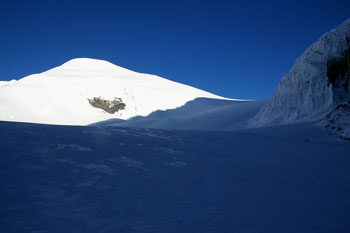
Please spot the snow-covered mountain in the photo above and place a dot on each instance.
(318, 82)
(85, 91)
(61, 95)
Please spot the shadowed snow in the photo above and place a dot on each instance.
(107, 179)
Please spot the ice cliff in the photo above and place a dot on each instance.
(317, 82)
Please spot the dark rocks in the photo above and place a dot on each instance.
(110, 106)
(338, 121)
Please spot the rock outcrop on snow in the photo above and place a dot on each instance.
(318, 81)
(338, 121)
(110, 106)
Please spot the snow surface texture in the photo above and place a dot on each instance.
(305, 93)
(60, 95)
(285, 179)
(199, 114)
(338, 121)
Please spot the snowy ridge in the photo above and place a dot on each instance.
(305, 92)
(60, 95)
(3, 83)
(6, 83)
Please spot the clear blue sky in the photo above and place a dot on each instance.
(237, 49)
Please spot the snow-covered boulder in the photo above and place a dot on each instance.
(306, 92)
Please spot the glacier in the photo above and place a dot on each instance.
(305, 93)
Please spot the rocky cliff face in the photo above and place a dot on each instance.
(318, 81)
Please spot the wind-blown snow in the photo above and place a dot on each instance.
(305, 93)
(60, 95)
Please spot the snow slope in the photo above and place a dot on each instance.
(199, 114)
(60, 95)
(305, 93)
(284, 179)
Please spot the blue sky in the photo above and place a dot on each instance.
(237, 49)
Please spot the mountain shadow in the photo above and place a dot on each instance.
(199, 114)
